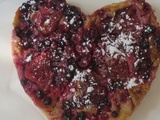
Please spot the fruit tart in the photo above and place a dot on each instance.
(86, 67)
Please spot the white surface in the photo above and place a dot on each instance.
(14, 103)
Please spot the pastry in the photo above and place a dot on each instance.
(86, 67)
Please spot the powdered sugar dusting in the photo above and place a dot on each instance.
(131, 83)
(120, 46)
(29, 58)
(73, 90)
(72, 20)
(80, 101)
(136, 62)
(118, 40)
(81, 75)
(113, 51)
(81, 91)
(90, 89)
(84, 99)
(47, 21)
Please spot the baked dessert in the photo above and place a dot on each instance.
(86, 67)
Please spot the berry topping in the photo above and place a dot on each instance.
(25, 7)
(67, 116)
(114, 114)
(23, 83)
(84, 62)
(47, 101)
(81, 116)
(68, 105)
(80, 67)
(73, 17)
(103, 103)
(40, 94)
(149, 29)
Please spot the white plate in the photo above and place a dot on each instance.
(14, 103)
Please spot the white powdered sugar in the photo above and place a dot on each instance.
(47, 21)
(65, 23)
(87, 100)
(85, 50)
(90, 89)
(117, 38)
(127, 17)
(131, 83)
(73, 90)
(138, 27)
(113, 51)
(81, 75)
(72, 20)
(82, 92)
(82, 100)
(29, 58)
(77, 101)
(71, 68)
(141, 81)
(136, 62)
(121, 21)
(64, 39)
(122, 45)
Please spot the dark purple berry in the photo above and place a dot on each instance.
(57, 4)
(110, 88)
(23, 82)
(73, 17)
(71, 61)
(47, 43)
(54, 6)
(158, 43)
(67, 105)
(114, 114)
(81, 116)
(118, 84)
(67, 115)
(144, 44)
(40, 94)
(149, 29)
(41, 2)
(146, 7)
(158, 40)
(149, 62)
(103, 103)
(19, 32)
(25, 7)
(61, 43)
(143, 65)
(146, 75)
(70, 12)
(58, 81)
(47, 101)
(26, 44)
